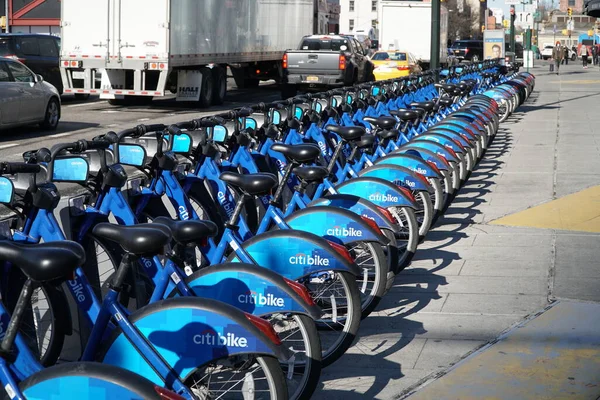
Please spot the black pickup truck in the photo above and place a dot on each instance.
(324, 61)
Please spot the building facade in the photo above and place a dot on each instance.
(357, 14)
(32, 16)
(576, 5)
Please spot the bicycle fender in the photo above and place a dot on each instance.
(335, 224)
(249, 288)
(467, 136)
(188, 332)
(294, 254)
(434, 147)
(357, 205)
(378, 191)
(442, 140)
(412, 162)
(87, 380)
(427, 155)
(398, 175)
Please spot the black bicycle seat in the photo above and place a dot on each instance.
(142, 239)
(252, 184)
(300, 153)
(311, 174)
(425, 105)
(347, 133)
(389, 134)
(46, 261)
(382, 122)
(446, 101)
(190, 231)
(365, 142)
(406, 115)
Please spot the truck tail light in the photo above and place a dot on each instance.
(342, 62)
(285, 61)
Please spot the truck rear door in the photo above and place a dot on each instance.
(143, 29)
(317, 55)
(85, 28)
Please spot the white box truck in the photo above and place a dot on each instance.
(142, 48)
(406, 25)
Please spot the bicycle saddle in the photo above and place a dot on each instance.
(406, 115)
(46, 261)
(446, 102)
(252, 184)
(190, 231)
(311, 174)
(382, 122)
(347, 133)
(139, 239)
(365, 142)
(425, 105)
(389, 134)
(300, 153)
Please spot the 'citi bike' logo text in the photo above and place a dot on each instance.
(383, 197)
(344, 232)
(260, 299)
(304, 259)
(212, 338)
(183, 213)
(322, 146)
(77, 290)
(405, 183)
(226, 205)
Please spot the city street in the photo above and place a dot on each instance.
(92, 117)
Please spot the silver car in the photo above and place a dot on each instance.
(25, 98)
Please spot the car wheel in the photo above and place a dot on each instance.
(52, 115)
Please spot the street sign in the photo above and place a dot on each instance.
(554, 29)
(512, 2)
(571, 25)
(530, 8)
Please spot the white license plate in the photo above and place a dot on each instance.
(312, 79)
(78, 75)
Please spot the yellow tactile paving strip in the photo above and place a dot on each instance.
(576, 212)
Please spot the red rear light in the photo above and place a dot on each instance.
(167, 394)
(466, 51)
(15, 57)
(372, 224)
(342, 62)
(403, 68)
(301, 291)
(407, 193)
(434, 167)
(265, 327)
(422, 178)
(285, 61)
(342, 251)
(386, 213)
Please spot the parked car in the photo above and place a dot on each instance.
(25, 97)
(323, 61)
(38, 52)
(394, 64)
(469, 50)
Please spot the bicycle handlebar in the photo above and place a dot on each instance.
(12, 168)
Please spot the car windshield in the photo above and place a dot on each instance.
(4, 47)
(325, 44)
(395, 56)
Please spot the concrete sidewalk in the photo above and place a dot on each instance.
(473, 279)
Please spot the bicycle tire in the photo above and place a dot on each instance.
(351, 324)
(378, 275)
(409, 240)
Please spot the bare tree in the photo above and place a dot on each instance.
(461, 25)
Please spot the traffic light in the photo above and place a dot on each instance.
(3, 22)
(570, 11)
(482, 28)
(506, 23)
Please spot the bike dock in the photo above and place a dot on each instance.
(502, 299)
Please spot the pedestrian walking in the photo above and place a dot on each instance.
(595, 54)
(557, 56)
(583, 52)
(566, 55)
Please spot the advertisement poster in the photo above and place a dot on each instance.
(493, 44)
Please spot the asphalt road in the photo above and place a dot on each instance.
(86, 119)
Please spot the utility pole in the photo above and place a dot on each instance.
(435, 35)
(6, 9)
(512, 28)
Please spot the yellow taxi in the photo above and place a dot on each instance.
(390, 64)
